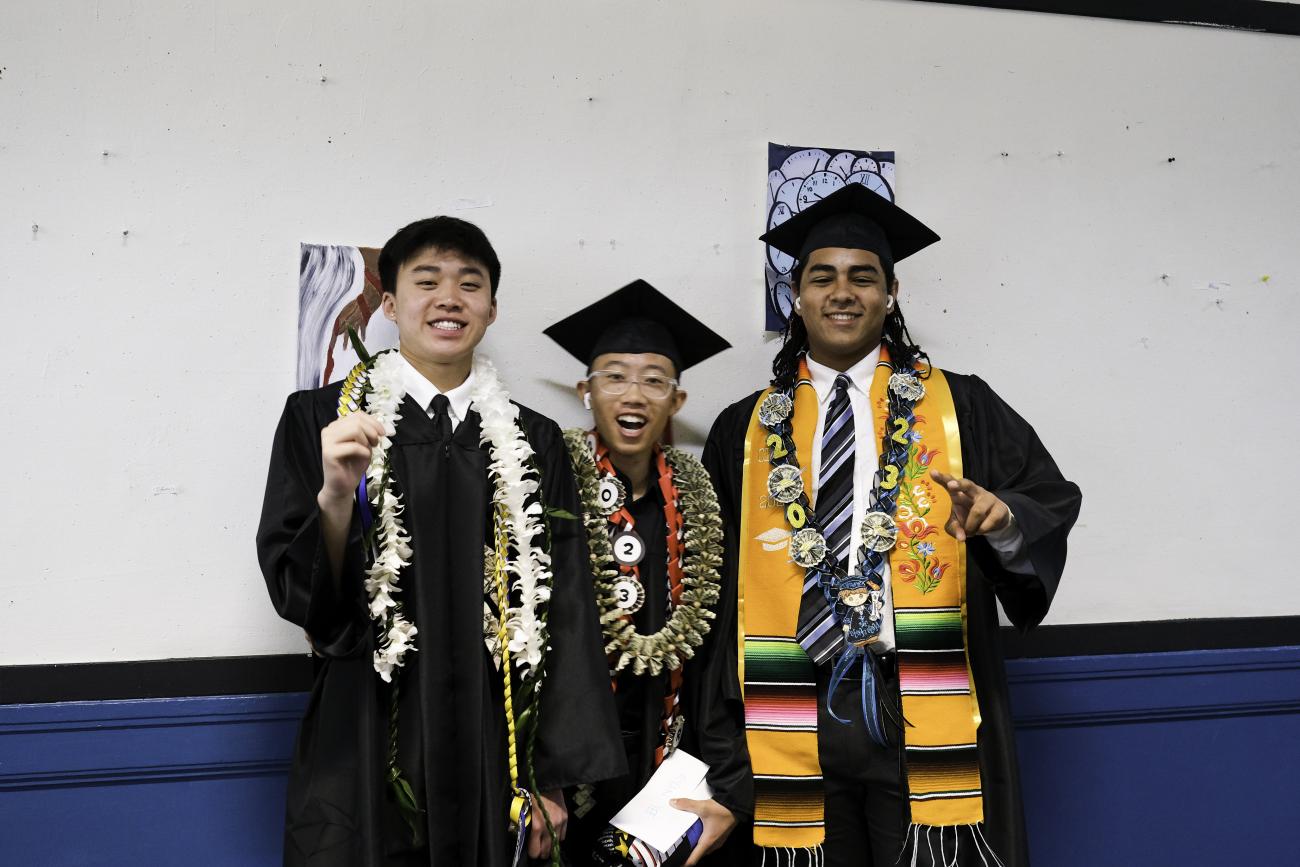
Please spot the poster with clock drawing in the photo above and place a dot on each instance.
(796, 178)
(338, 288)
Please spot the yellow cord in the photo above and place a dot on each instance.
(503, 604)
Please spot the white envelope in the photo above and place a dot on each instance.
(648, 816)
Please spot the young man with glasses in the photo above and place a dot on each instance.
(655, 539)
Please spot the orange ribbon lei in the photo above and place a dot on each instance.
(622, 520)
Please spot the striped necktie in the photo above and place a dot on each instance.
(816, 632)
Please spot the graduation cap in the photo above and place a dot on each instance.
(637, 318)
(853, 217)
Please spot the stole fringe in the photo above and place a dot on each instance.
(923, 846)
(785, 856)
(940, 846)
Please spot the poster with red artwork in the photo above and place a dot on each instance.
(338, 288)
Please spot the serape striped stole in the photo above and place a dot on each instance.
(928, 570)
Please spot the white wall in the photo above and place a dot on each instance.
(1115, 296)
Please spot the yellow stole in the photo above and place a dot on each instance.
(928, 576)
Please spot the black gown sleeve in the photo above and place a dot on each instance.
(578, 740)
(1013, 464)
(290, 546)
(715, 700)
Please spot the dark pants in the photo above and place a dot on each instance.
(866, 815)
(866, 819)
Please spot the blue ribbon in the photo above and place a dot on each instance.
(851, 656)
(521, 831)
(364, 502)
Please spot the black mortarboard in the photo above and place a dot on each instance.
(637, 318)
(854, 217)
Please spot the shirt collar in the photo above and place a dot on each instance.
(423, 392)
(652, 480)
(860, 375)
(652, 491)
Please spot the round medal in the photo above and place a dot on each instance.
(807, 547)
(785, 484)
(610, 495)
(907, 385)
(775, 408)
(629, 595)
(628, 548)
(879, 532)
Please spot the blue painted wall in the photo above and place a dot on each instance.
(1146, 759)
(192, 781)
(1160, 759)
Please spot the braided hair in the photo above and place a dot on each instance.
(903, 350)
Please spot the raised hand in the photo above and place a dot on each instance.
(345, 446)
(975, 511)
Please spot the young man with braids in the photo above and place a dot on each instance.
(655, 539)
(875, 507)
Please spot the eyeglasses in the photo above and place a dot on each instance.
(612, 382)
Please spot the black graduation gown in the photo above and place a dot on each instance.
(452, 743)
(1001, 453)
(639, 700)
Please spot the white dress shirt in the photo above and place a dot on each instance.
(1007, 543)
(423, 392)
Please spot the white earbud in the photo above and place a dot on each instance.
(586, 400)
(889, 303)
(796, 304)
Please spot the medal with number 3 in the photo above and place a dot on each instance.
(629, 550)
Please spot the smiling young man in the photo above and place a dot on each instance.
(875, 509)
(655, 538)
(380, 505)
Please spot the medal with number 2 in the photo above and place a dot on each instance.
(629, 550)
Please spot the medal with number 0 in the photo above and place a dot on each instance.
(610, 495)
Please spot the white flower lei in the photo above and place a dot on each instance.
(397, 634)
(514, 482)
